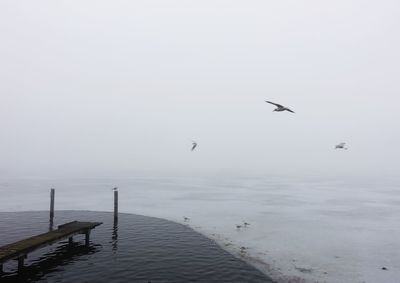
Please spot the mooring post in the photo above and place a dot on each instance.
(1, 268)
(70, 241)
(115, 205)
(52, 191)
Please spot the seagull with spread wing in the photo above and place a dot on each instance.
(279, 108)
(341, 145)
(194, 145)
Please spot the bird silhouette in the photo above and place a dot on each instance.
(279, 108)
(194, 145)
(341, 145)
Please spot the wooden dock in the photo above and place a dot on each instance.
(19, 250)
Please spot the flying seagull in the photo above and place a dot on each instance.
(194, 145)
(341, 145)
(279, 108)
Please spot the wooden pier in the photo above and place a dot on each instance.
(19, 250)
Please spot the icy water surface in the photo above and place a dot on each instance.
(305, 229)
(136, 249)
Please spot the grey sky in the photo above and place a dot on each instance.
(119, 88)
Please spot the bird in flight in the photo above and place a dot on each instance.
(279, 108)
(341, 145)
(194, 145)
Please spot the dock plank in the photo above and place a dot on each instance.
(25, 246)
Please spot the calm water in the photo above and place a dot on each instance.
(138, 249)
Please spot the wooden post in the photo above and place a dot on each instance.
(115, 205)
(114, 237)
(52, 191)
(70, 241)
(1, 268)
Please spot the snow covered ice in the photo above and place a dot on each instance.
(325, 231)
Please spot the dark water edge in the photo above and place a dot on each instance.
(136, 249)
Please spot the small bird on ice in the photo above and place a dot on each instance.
(246, 224)
(194, 145)
(186, 219)
(238, 227)
(341, 145)
(279, 108)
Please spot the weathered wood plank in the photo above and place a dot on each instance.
(23, 247)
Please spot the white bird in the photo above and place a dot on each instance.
(194, 145)
(115, 189)
(279, 108)
(246, 224)
(186, 219)
(238, 227)
(341, 145)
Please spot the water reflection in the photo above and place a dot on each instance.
(63, 255)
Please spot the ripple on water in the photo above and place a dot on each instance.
(138, 249)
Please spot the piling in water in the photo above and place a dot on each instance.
(52, 193)
(115, 205)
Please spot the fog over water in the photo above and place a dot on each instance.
(96, 94)
(121, 88)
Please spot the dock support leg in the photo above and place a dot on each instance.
(1, 269)
(70, 241)
(87, 236)
(21, 263)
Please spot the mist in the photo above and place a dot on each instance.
(110, 89)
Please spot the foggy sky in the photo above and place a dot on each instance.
(121, 88)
